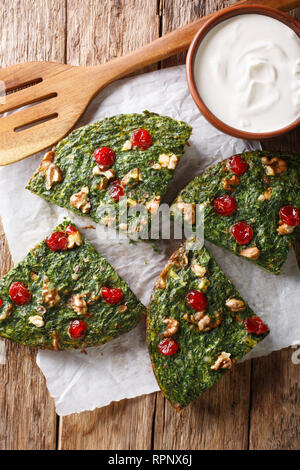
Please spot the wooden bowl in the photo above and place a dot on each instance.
(211, 23)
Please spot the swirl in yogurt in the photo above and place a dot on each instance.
(247, 72)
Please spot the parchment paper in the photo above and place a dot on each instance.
(121, 369)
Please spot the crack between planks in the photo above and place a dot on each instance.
(65, 58)
(160, 8)
(153, 422)
(250, 405)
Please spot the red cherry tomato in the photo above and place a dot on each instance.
(104, 156)
(141, 139)
(290, 215)
(19, 293)
(196, 300)
(168, 346)
(116, 190)
(237, 164)
(1, 303)
(255, 326)
(225, 205)
(242, 232)
(77, 329)
(70, 229)
(112, 295)
(57, 241)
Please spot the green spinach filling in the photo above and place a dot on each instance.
(152, 168)
(187, 373)
(78, 273)
(260, 194)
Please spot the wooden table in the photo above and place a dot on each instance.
(256, 406)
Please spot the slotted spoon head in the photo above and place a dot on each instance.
(52, 97)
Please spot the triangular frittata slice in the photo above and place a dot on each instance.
(252, 205)
(65, 295)
(130, 156)
(198, 326)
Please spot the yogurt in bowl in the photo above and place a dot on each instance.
(244, 72)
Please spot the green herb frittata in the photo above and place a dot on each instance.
(198, 326)
(131, 155)
(65, 295)
(252, 204)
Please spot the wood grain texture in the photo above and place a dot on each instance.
(217, 420)
(96, 32)
(275, 411)
(27, 413)
(100, 31)
(32, 30)
(123, 425)
(69, 90)
(105, 30)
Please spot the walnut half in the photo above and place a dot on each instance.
(50, 295)
(52, 172)
(172, 326)
(285, 229)
(235, 305)
(223, 361)
(78, 304)
(251, 253)
(81, 200)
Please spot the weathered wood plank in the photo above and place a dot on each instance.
(27, 413)
(34, 31)
(100, 31)
(176, 13)
(275, 416)
(123, 425)
(275, 412)
(217, 420)
(105, 30)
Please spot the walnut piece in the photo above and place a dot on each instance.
(223, 362)
(172, 326)
(198, 270)
(5, 314)
(127, 145)
(285, 229)
(122, 308)
(81, 201)
(203, 322)
(168, 161)
(52, 172)
(78, 304)
(50, 295)
(36, 320)
(153, 205)
(108, 174)
(74, 238)
(235, 305)
(161, 283)
(53, 175)
(204, 285)
(251, 253)
(274, 166)
(132, 177)
(188, 210)
(230, 183)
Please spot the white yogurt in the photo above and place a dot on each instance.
(247, 72)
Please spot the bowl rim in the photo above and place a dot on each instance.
(219, 17)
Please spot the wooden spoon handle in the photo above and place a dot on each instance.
(170, 44)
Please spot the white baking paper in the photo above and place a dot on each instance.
(121, 369)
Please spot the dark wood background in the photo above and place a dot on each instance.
(256, 406)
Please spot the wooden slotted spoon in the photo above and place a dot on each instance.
(60, 93)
